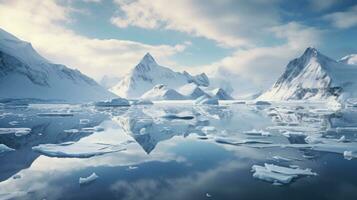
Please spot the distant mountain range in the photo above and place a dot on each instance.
(25, 74)
(149, 80)
(315, 76)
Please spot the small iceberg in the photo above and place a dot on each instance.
(117, 102)
(4, 148)
(279, 175)
(88, 179)
(204, 100)
(17, 131)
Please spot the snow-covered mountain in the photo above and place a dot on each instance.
(162, 92)
(220, 94)
(26, 74)
(145, 75)
(314, 76)
(191, 91)
(349, 59)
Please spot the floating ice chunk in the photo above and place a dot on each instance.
(4, 148)
(17, 176)
(132, 167)
(206, 100)
(71, 131)
(55, 114)
(83, 121)
(17, 131)
(348, 155)
(281, 158)
(263, 173)
(342, 139)
(289, 171)
(278, 174)
(77, 150)
(314, 139)
(88, 179)
(113, 103)
(14, 123)
(257, 133)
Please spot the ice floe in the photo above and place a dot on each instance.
(17, 131)
(4, 148)
(88, 179)
(279, 174)
(77, 150)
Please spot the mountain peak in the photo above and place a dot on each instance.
(311, 52)
(148, 59)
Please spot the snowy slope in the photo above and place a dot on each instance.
(314, 76)
(220, 94)
(148, 73)
(349, 59)
(191, 91)
(162, 92)
(26, 74)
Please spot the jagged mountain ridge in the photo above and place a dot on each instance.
(26, 74)
(314, 76)
(145, 75)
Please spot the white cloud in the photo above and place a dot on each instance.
(43, 24)
(231, 23)
(256, 69)
(319, 5)
(346, 19)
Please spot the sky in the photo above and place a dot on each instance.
(246, 43)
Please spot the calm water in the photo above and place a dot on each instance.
(171, 152)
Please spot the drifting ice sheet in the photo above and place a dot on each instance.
(16, 131)
(278, 174)
(77, 150)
